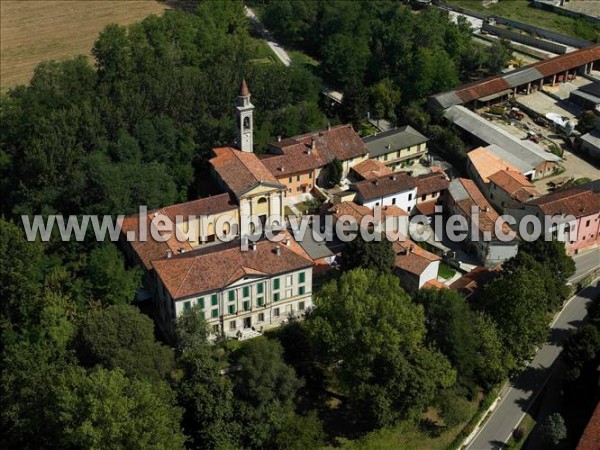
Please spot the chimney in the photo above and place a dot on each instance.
(393, 177)
(411, 248)
(328, 126)
(281, 168)
(278, 250)
(169, 253)
(279, 138)
(253, 246)
(312, 144)
(181, 250)
(286, 242)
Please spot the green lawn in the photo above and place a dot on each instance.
(526, 425)
(446, 272)
(406, 436)
(522, 11)
(261, 53)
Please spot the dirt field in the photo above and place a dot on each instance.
(33, 31)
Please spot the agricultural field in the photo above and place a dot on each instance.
(34, 31)
(522, 11)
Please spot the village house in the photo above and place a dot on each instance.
(460, 199)
(501, 182)
(300, 162)
(369, 169)
(398, 189)
(397, 148)
(415, 266)
(430, 189)
(582, 204)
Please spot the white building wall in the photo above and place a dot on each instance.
(430, 273)
(405, 200)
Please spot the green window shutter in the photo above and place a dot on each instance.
(260, 301)
(201, 303)
(276, 297)
(246, 306)
(246, 291)
(231, 309)
(260, 288)
(213, 300)
(231, 295)
(276, 283)
(302, 277)
(301, 290)
(214, 313)
(187, 306)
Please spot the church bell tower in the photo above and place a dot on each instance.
(245, 123)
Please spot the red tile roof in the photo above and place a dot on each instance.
(481, 88)
(383, 186)
(412, 258)
(475, 279)
(515, 184)
(340, 142)
(151, 249)
(298, 158)
(567, 61)
(371, 168)
(217, 267)
(590, 440)
(574, 202)
(359, 211)
(241, 171)
(487, 214)
(431, 182)
(486, 163)
(427, 208)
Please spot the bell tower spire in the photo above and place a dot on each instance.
(245, 122)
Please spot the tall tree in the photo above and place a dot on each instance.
(373, 338)
(377, 254)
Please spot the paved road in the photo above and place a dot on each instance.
(518, 396)
(273, 45)
(585, 263)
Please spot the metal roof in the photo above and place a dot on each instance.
(390, 141)
(522, 76)
(517, 152)
(592, 138)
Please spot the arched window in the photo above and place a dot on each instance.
(262, 200)
(246, 123)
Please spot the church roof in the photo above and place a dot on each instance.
(244, 92)
(240, 171)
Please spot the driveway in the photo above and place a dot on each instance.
(273, 45)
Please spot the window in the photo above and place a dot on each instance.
(215, 329)
(276, 283)
(301, 277)
(408, 209)
(187, 306)
(301, 290)
(260, 301)
(376, 203)
(261, 317)
(288, 281)
(301, 306)
(290, 179)
(260, 288)
(423, 198)
(310, 176)
(393, 201)
(276, 312)
(262, 200)
(587, 223)
(232, 325)
(410, 196)
(288, 293)
(213, 300)
(231, 309)
(214, 313)
(246, 291)
(246, 306)
(231, 295)
(298, 178)
(276, 297)
(201, 303)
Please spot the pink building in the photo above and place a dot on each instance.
(583, 204)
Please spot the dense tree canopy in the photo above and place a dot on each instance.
(368, 327)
